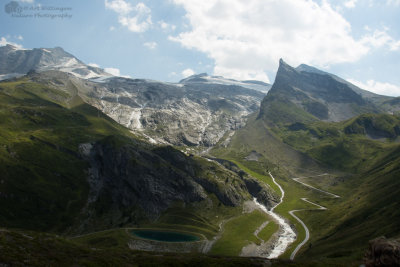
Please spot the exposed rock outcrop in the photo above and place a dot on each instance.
(383, 252)
(130, 182)
(180, 114)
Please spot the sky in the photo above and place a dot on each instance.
(167, 40)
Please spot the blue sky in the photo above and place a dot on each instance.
(358, 40)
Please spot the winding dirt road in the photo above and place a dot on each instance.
(304, 226)
(312, 187)
(299, 246)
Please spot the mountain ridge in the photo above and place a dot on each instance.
(204, 78)
(310, 96)
(21, 61)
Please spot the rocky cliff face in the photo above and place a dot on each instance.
(380, 126)
(130, 182)
(179, 114)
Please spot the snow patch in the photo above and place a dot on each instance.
(134, 119)
(223, 81)
(69, 62)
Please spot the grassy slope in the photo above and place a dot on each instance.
(344, 145)
(39, 140)
(238, 232)
(40, 131)
(43, 185)
(276, 155)
(22, 248)
(369, 197)
(268, 231)
(285, 163)
(277, 109)
(282, 161)
(371, 211)
(41, 249)
(194, 218)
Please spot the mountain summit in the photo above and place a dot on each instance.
(299, 94)
(16, 62)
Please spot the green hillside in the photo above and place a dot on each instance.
(360, 157)
(27, 248)
(348, 146)
(44, 183)
(370, 210)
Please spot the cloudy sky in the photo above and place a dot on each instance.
(358, 40)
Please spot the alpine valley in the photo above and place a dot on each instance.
(101, 170)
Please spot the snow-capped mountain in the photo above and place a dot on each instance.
(191, 112)
(173, 113)
(16, 62)
(205, 79)
(183, 113)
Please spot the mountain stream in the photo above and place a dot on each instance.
(286, 235)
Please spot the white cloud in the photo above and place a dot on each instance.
(395, 45)
(246, 38)
(393, 2)
(350, 3)
(382, 88)
(380, 38)
(94, 65)
(187, 73)
(150, 45)
(112, 28)
(26, 1)
(113, 71)
(135, 18)
(4, 42)
(163, 24)
(166, 26)
(376, 39)
(119, 6)
(19, 37)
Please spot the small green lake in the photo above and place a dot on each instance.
(165, 236)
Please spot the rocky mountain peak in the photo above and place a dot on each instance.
(284, 65)
(285, 72)
(16, 62)
(310, 94)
